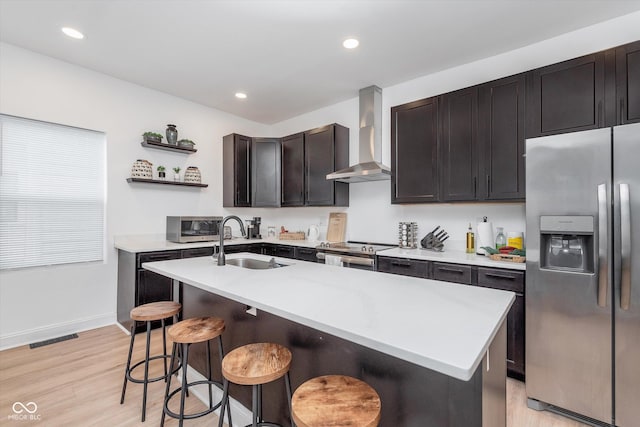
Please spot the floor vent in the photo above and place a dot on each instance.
(52, 341)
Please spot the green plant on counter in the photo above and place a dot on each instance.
(176, 170)
(161, 168)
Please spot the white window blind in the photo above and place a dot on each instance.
(52, 193)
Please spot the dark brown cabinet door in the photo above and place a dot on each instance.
(293, 170)
(236, 170)
(628, 83)
(459, 166)
(566, 97)
(501, 120)
(265, 172)
(403, 267)
(414, 152)
(326, 150)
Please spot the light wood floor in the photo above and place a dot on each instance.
(78, 383)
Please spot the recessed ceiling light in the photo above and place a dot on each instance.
(241, 95)
(350, 43)
(72, 32)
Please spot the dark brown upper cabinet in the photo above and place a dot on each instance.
(251, 171)
(567, 97)
(265, 172)
(414, 152)
(501, 120)
(293, 170)
(628, 83)
(326, 149)
(236, 170)
(459, 147)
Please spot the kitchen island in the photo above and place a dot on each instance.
(434, 351)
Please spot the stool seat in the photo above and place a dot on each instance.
(155, 311)
(195, 330)
(335, 400)
(255, 364)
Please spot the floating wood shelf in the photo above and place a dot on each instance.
(161, 146)
(168, 182)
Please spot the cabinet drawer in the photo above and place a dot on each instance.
(285, 251)
(404, 267)
(306, 254)
(196, 252)
(507, 280)
(157, 256)
(455, 273)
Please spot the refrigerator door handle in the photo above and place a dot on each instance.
(602, 246)
(625, 247)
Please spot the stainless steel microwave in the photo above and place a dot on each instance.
(185, 229)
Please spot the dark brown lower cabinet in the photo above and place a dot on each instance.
(455, 273)
(306, 254)
(403, 267)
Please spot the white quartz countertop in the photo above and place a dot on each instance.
(441, 326)
(455, 257)
(150, 243)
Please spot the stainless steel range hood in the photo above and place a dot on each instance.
(370, 167)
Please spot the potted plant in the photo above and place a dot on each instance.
(186, 143)
(176, 177)
(152, 137)
(161, 173)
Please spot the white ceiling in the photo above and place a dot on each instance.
(286, 55)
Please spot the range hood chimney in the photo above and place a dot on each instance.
(369, 167)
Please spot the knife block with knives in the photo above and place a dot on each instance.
(434, 240)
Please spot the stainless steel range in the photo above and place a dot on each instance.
(360, 255)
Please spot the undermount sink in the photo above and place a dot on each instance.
(255, 264)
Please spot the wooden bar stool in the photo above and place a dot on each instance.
(337, 401)
(183, 334)
(148, 313)
(256, 365)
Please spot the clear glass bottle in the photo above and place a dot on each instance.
(471, 244)
(501, 240)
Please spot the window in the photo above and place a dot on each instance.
(52, 193)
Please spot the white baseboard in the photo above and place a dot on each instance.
(240, 415)
(57, 330)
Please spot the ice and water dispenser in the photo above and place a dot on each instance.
(567, 243)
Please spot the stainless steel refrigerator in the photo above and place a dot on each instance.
(583, 274)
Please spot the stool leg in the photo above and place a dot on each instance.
(164, 350)
(225, 401)
(146, 372)
(209, 373)
(168, 387)
(221, 354)
(185, 354)
(287, 383)
(126, 371)
(259, 403)
(254, 405)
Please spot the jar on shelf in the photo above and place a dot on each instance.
(192, 174)
(172, 134)
(142, 169)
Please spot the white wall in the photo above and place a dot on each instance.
(46, 302)
(40, 302)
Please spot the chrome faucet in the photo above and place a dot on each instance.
(221, 257)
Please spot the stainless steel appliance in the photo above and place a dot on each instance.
(361, 255)
(185, 229)
(583, 283)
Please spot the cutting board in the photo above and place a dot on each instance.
(337, 226)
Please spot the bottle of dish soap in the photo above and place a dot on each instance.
(501, 240)
(471, 241)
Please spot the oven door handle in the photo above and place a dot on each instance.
(369, 262)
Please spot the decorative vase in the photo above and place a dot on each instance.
(192, 174)
(161, 175)
(176, 177)
(142, 169)
(172, 134)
